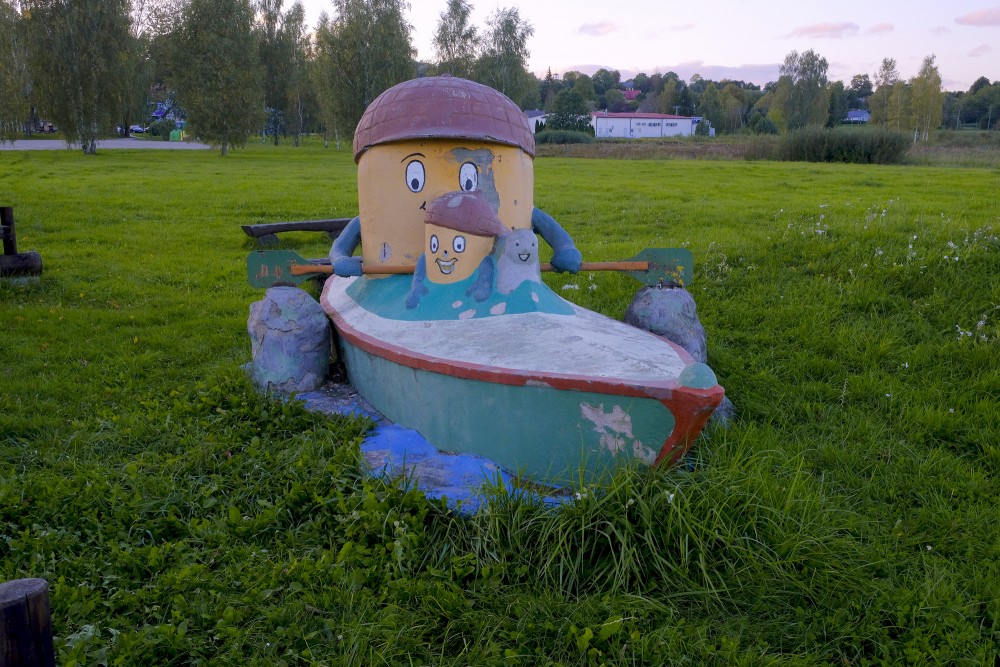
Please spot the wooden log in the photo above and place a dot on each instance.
(21, 264)
(334, 225)
(26, 624)
(7, 230)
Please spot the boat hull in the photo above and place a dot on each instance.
(521, 408)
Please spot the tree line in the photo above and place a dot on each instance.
(234, 69)
(231, 69)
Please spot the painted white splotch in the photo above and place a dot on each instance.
(615, 430)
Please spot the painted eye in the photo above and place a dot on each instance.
(415, 176)
(434, 243)
(468, 177)
(458, 244)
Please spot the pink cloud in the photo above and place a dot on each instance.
(940, 30)
(983, 17)
(880, 28)
(980, 50)
(825, 30)
(597, 29)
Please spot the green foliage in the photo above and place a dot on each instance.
(504, 59)
(549, 136)
(217, 72)
(844, 144)
(162, 128)
(364, 50)
(77, 48)
(848, 516)
(570, 113)
(456, 41)
(14, 80)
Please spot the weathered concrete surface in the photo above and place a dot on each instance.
(290, 341)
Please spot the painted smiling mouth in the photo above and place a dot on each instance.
(524, 256)
(446, 266)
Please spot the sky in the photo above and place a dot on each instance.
(740, 39)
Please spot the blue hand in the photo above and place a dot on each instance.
(567, 259)
(347, 266)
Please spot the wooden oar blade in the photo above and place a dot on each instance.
(667, 266)
(268, 268)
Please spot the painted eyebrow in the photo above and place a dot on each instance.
(411, 155)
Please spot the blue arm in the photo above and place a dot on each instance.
(565, 256)
(483, 287)
(417, 287)
(342, 250)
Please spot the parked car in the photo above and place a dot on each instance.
(136, 129)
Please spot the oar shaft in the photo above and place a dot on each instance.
(307, 269)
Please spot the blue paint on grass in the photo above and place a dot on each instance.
(403, 455)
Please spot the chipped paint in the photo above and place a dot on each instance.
(615, 430)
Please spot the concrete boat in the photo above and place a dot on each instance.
(548, 390)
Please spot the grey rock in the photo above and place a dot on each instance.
(290, 341)
(669, 312)
(724, 414)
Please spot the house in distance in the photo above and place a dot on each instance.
(642, 125)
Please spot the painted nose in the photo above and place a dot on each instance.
(467, 212)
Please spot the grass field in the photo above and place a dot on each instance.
(851, 515)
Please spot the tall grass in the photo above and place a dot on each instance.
(848, 517)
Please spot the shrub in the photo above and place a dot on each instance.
(162, 128)
(870, 145)
(563, 137)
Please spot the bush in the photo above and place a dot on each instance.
(162, 128)
(870, 145)
(563, 137)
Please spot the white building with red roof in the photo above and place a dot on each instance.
(641, 125)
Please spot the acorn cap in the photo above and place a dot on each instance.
(465, 212)
(443, 107)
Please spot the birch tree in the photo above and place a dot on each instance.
(926, 100)
(362, 51)
(503, 63)
(15, 86)
(77, 51)
(456, 40)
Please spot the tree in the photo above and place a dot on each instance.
(879, 102)
(806, 99)
(669, 96)
(839, 104)
(927, 100)
(585, 87)
(570, 113)
(861, 87)
(300, 99)
(217, 73)
(15, 86)
(456, 40)
(734, 105)
(360, 53)
(504, 60)
(605, 80)
(710, 106)
(77, 76)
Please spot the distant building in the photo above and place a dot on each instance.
(641, 125)
(536, 119)
(857, 117)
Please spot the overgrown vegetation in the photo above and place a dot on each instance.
(563, 137)
(844, 144)
(848, 517)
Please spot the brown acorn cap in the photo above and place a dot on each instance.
(465, 212)
(443, 107)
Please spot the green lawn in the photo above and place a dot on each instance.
(851, 515)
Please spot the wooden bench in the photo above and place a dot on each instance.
(267, 234)
(12, 262)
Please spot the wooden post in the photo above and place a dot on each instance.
(7, 230)
(26, 624)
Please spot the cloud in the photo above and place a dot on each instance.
(983, 17)
(940, 30)
(880, 28)
(825, 30)
(680, 28)
(597, 29)
(980, 50)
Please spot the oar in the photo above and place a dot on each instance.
(652, 266)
